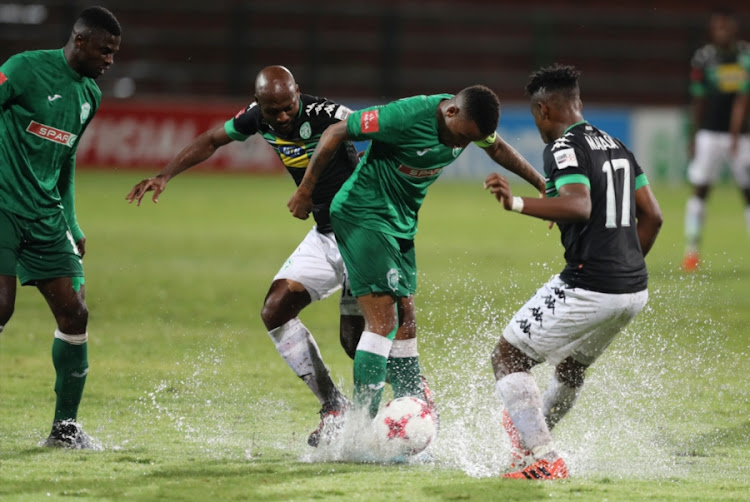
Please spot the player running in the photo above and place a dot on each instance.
(292, 124)
(374, 216)
(720, 90)
(609, 219)
(47, 99)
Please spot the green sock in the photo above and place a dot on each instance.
(403, 374)
(71, 365)
(369, 380)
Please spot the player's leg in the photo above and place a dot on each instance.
(10, 239)
(710, 152)
(351, 322)
(563, 390)
(403, 369)
(66, 299)
(371, 356)
(307, 276)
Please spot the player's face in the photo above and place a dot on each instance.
(95, 52)
(280, 110)
(723, 29)
(456, 131)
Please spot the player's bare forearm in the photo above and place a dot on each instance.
(573, 204)
(649, 217)
(199, 149)
(505, 155)
(739, 114)
(300, 204)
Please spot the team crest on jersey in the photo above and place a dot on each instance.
(392, 278)
(85, 112)
(565, 158)
(457, 152)
(305, 131)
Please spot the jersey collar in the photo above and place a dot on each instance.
(573, 125)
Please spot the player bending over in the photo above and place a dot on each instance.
(292, 124)
(609, 219)
(374, 216)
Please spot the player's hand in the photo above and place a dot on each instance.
(81, 245)
(300, 204)
(500, 188)
(157, 184)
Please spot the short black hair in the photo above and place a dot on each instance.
(97, 18)
(555, 78)
(482, 106)
(723, 10)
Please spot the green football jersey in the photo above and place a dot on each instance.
(403, 159)
(44, 108)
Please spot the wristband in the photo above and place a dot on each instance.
(517, 205)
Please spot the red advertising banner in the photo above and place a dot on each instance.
(142, 135)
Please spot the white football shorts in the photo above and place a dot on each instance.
(318, 266)
(712, 153)
(560, 322)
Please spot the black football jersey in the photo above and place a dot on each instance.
(602, 254)
(296, 149)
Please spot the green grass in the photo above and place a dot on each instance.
(192, 402)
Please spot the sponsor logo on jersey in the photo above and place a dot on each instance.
(369, 121)
(53, 98)
(85, 112)
(341, 113)
(419, 173)
(422, 152)
(292, 153)
(565, 158)
(3, 78)
(305, 131)
(729, 77)
(51, 134)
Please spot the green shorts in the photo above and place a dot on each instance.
(376, 262)
(38, 249)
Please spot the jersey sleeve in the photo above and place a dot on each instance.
(385, 123)
(12, 74)
(244, 124)
(564, 165)
(325, 112)
(744, 60)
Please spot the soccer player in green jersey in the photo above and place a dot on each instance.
(47, 99)
(374, 216)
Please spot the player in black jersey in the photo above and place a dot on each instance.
(292, 124)
(720, 90)
(609, 219)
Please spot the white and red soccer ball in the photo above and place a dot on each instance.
(405, 426)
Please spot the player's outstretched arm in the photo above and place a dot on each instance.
(648, 216)
(573, 203)
(505, 155)
(200, 149)
(300, 204)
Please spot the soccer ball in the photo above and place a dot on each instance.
(404, 427)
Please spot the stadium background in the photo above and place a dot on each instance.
(187, 65)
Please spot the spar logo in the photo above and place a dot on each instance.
(51, 134)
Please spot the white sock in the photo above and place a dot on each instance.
(695, 212)
(523, 402)
(298, 348)
(557, 400)
(404, 348)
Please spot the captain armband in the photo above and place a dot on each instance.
(488, 141)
